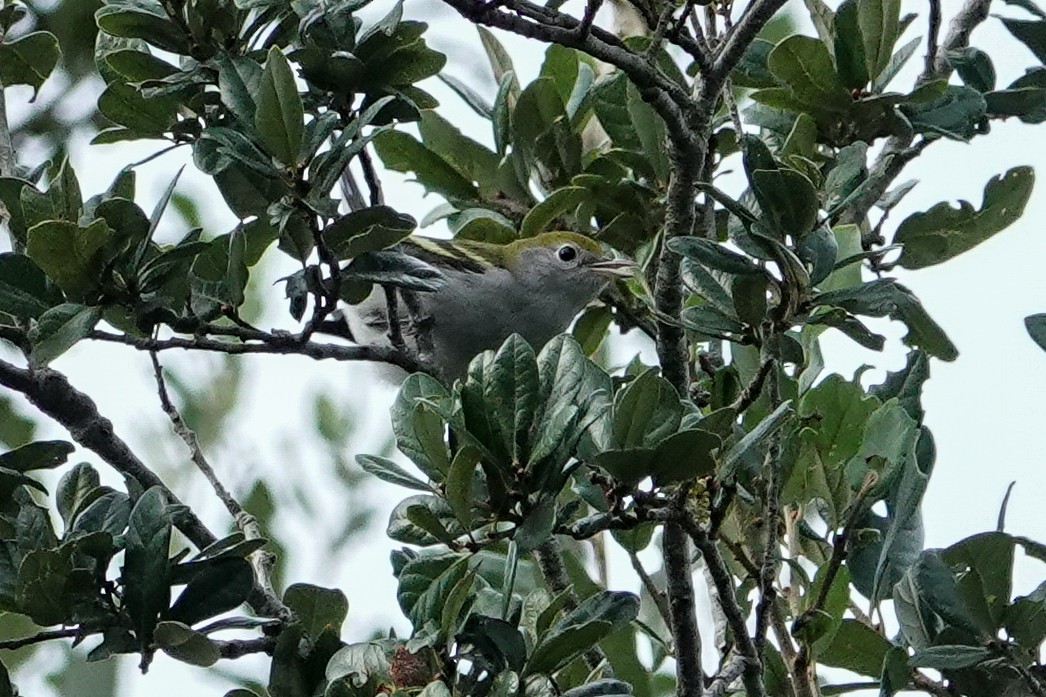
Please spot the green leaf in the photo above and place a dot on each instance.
(318, 609)
(218, 587)
(35, 456)
(76, 488)
(367, 230)
(389, 471)
(511, 395)
(280, 118)
(1027, 104)
(787, 199)
(714, 255)
(957, 114)
(974, 67)
(143, 19)
(1030, 33)
(426, 582)
(42, 580)
(646, 411)
(146, 587)
(805, 66)
(29, 59)
(850, 57)
(70, 255)
(595, 618)
(985, 563)
(1036, 326)
(944, 232)
(949, 657)
(500, 62)
(459, 483)
(25, 291)
(889, 436)
(180, 642)
(856, 647)
(879, 21)
(564, 201)
(124, 105)
(541, 129)
(419, 429)
(403, 153)
(731, 459)
(886, 297)
(474, 161)
(59, 329)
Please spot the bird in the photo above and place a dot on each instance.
(533, 287)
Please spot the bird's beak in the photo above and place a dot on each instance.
(616, 268)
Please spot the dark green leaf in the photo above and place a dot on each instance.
(879, 21)
(181, 643)
(280, 116)
(29, 59)
(217, 587)
(714, 255)
(70, 255)
(1031, 33)
(885, 297)
(75, 489)
(1036, 326)
(146, 590)
(562, 201)
(39, 455)
(25, 292)
(957, 114)
(389, 471)
(787, 199)
(403, 153)
(949, 657)
(974, 67)
(856, 647)
(805, 65)
(59, 329)
(1027, 104)
(318, 609)
(646, 412)
(944, 232)
(367, 230)
(143, 19)
(511, 394)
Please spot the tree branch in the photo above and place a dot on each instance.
(755, 17)
(550, 561)
(48, 635)
(683, 612)
(288, 344)
(51, 393)
(263, 597)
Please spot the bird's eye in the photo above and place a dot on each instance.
(567, 253)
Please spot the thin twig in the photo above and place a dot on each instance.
(771, 514)
(237, 648)
(262, 561)
(591, 9)
(392, 310)
(550, 561)
(377, 197)
(47, 635)
(753, 389)
(188, 436)
(723, 581)
(932, 35)
(682, 611)
(656, 594)
(730, 672)
(275, 344)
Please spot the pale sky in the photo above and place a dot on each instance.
(986, 409)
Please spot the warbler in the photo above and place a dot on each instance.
(533, 287)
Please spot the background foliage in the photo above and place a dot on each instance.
(801, 492)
